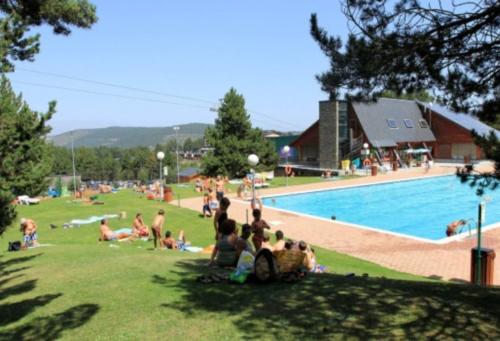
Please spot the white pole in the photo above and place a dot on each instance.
(74, 168)
(177, 154)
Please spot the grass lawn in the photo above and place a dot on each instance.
(187, 190)
(85, 290)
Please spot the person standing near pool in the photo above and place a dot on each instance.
(219, 188)
(258, 226)
(156, 227)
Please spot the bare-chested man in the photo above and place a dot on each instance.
(156, 228)
(219, 188)
(107, 233)
(28, 228)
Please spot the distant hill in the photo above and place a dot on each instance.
(126, 137)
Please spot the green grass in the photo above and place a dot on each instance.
(81, 289)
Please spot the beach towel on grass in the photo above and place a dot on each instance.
(92, 219)
(126, 230)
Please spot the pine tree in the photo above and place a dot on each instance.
(25, 160)
(233, 139)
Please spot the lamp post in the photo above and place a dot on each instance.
(253, 160)
(286, 150)
(176, 129)
(74, 168)
(160, 156)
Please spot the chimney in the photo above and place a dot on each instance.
(329, 134)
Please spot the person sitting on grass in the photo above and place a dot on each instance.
(243, 243)
(220, 216)
(266, 244)
(225, 251)
(258, 226)
(170, 243)
(139, 229)
(30, 236)
(156, 227)
(107, 233)
(206, 211)
(310, 263)
(280, 241)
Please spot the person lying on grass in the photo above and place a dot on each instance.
(170, 243)
(28, 229)
(156, 227)
(225, 253)
(107, 233)
(139, 229)
(258, 226)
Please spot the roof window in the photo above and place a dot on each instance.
(408, 123)
(392, 123)
(423, 124)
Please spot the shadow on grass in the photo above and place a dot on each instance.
(325, 306)
(14, 261)
(52, 327)
(12, 312)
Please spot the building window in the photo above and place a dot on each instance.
(392, 123)
(408, 123)
(423, 124)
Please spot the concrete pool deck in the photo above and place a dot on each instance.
(449, 261)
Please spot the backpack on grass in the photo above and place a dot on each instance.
(14, 246)
(265, 266)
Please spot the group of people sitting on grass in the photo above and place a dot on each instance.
(230, 244)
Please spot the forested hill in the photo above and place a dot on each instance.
(126, 137)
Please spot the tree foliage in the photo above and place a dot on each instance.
(233, 139)
(407, 46)
(24, 156)
(19, 16)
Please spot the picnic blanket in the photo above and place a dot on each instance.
(92, 219)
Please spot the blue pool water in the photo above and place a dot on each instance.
(419, 208)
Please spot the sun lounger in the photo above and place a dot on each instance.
(26, 200)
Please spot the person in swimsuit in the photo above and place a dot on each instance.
(280, 241)
(221, 216)
(452, 228)
(258, 226)
(107, 233)
(244, 243)
(139, 229)
(170, 243)
(219, 188)
(225, 253)
(156, 228)
(206, 211)
(30, 236)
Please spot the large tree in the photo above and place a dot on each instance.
(22, 132)
(24, 156)
(410, 46)
(233, 139)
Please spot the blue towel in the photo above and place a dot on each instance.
(127, 230)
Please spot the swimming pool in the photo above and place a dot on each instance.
(419, 208)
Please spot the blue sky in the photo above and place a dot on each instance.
(188, 48)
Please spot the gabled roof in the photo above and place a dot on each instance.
(464, 120)
(374, 116)
(311, 127)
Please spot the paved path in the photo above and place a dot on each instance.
(447, 261)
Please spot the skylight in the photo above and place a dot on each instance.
(408, 123)
(392, 123)
(423, 124)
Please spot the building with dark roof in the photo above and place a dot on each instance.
(395, 131)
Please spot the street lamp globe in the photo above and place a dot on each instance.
(160, 155)
(365, 145)
(253, 160)
(286, 149)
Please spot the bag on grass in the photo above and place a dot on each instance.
(265, 266)
(14, 246)
(245, 262)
